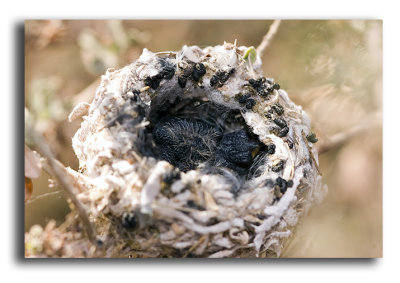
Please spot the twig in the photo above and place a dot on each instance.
(87, 94)
(268, 37)
(343, 137)
(58, 171)
(201, 240)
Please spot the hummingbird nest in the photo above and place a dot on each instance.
(195, 153)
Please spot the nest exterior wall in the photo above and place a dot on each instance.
(117, 180)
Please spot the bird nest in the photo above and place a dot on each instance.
(194, 153)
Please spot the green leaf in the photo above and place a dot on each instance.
(250, 54)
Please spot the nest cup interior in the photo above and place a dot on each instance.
(196, 134)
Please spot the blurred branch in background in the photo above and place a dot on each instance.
(87, 94)
(334, 141)
(273, 29)
(47, 32)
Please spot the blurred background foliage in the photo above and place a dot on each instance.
(333, 69)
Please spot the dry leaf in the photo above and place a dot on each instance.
(28, 188)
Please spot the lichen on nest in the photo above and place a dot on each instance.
(194, 153)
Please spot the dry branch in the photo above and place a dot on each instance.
(345, 136)
(60, 173)
(268, 37)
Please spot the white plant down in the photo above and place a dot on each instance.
(250, 221)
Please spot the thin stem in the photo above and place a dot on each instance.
(268, 37)
(58, 170)
(42, 196)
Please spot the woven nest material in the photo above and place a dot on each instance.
(195, 153)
